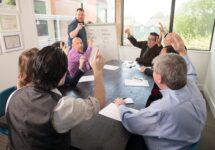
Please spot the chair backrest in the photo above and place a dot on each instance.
(194, 146)
(4, 95)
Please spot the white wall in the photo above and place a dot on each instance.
(9, 61)
(209, 86)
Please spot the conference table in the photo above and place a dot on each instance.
(101, 132)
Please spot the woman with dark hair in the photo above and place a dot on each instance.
(39, 117)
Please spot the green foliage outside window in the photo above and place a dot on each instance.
(10, 2)
(194, 21)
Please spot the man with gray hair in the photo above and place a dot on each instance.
(178, 118)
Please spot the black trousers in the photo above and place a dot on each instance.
(136, 142)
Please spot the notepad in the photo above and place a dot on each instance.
(128, 100)
(87, 78)
(136, 82)
(112, 111)
(145, 67)
(111, 67)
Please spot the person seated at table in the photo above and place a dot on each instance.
(72, 81)
(178, 118)
(76, 53)
(155, 93)
(39, 117)
(149, 49)
(25, 63)
(167, 49)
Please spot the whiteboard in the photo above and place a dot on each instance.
(104, 39)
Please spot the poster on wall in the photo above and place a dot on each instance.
(11, 42)
(9, 22)
(9, 5)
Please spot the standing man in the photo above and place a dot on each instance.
(77, 28)
(149, 49)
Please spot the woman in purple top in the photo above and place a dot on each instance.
(76, 53)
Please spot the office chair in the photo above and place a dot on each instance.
(194, 146)
(4, 95)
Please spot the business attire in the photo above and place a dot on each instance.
(147, 54)
(73, 60)
(40, 119)
(173, 122)
(81, 34)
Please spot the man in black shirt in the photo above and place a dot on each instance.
(149, 49)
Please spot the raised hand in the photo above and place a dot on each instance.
(90, 42)
(161, 28)
(128, 31)
(177, 43)
(64, 47)
(158, 40)
(97, 62)
(82, 60)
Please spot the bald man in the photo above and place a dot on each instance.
(77, 53)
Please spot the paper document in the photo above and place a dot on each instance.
(87, 78)
(128, 100)
(110, 67)
(145, 67)
(136, 82)
(112, 111)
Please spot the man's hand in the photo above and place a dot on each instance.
(97, 65)
(161, 28)
(158, 40)
(142, 68)
(82, 60)
(128, 32)
(64, 48)
(90, 42)
(119, 101)
(79, 26)
(177, 43)
(97, 62)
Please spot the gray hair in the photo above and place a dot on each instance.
(173, 70)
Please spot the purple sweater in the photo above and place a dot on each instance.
(73, 60)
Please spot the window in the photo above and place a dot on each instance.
(42, 27)
(99, 11)
(54, 16)
(39, 7)
(142, 17)
(194, 22)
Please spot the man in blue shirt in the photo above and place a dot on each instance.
(77, 28)
(178, 118)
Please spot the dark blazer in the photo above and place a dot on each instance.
(146, 57)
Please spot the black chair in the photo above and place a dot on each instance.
(4, 95)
